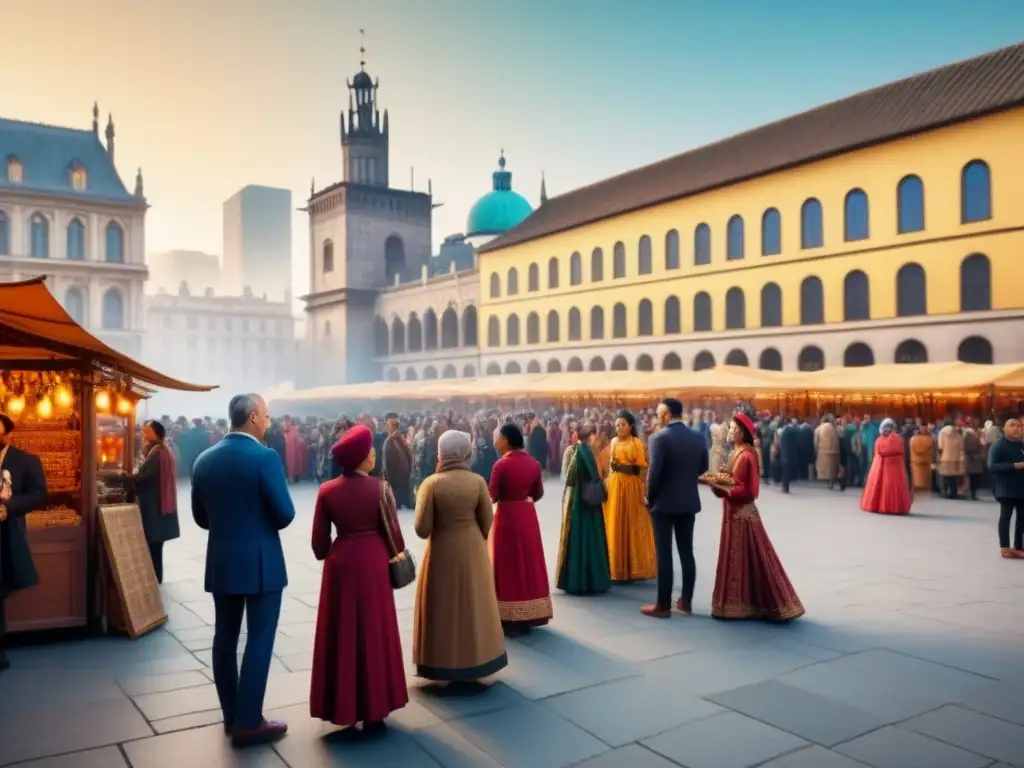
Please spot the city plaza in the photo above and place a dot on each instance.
(911, 655)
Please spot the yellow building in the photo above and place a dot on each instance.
(885, 227)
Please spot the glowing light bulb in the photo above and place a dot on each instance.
(16, 405)
(63, 397)
(103, 400)
(124, 406)
(44, 408)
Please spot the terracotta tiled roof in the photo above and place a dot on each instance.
(968, 89)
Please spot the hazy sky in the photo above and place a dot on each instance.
(210, 95)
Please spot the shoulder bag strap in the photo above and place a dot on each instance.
(385, 516)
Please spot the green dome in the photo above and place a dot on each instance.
(499, 210)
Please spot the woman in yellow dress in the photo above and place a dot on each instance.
(627, 520)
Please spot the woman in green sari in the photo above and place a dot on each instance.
(583, 550)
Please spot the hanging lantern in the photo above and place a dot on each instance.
(103, 400)
(16, 405)
(124, 406)
(44, 408)
(63, 397)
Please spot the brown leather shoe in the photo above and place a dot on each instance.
(268, 731)
(1011, 554)
(655, 612)
(684, 607)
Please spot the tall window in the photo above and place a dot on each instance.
(812, 302)
(597, 323)
(619, 324)
(735, 309)
(113, 310)
(493, 332)
(645, 318)
(702, 312)
(702, 245)
(553, 326)
(644, 259)
(40, 230)
(328, 257)
(533, 278)
(115, 243)
(976, 283)
(575, 269)
(770, 360)
(771, 233)
(495, 285)
(672, 249)
(5, 236)
(552, 273)
(771, 306)
(398, 336)
(734, 239)
(703, 361)
(15, 170)
(856, 297)
(575, 325)
(910, 205)
(673, 315)
(975, 192)
(469, 329)
(533, 328)
(79, 179)
(596, 266)
(812, 232)
(618, 261)
(855, 216)
(911, 291)
(74, 305)
(430, 329)
(449, 328)
(811, 358)
(512, 331)
(512, 287)
(76, 240)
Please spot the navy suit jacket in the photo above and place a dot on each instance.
(240, 495)
(679, 455)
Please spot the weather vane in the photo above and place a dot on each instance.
(362, 49)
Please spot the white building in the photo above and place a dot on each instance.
(167, 271)
(258, 242)
(65, 213)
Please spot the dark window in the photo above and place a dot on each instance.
(619, 363)
(575, 325)
(493, 369)
(673, 315)
(430, 373)
(672, 249)
(644, 259)
(554, 366)
(115, 243)
(910, 205)
(449, 329)
(575, 269)
(702, 245)
(975, 283)
(513, 282)
(328, 257)
(596, 323)
(645, 318)
(429, 330)
(495, 286)
(771, 306)
(533, 367)
(812, 231)
(858, 355)
(702, 312)
(812, 302)
(810, 359)
(533, 278)
(734, 239)
(411, 375)
(380, 336)
(40, 231)
(856, 296)
(735, 309)
(737, 357)
(469, 327)
(644, 363)
(911, 291)
(75, 249)
(554, 326)
(513, 367)
(468, 372)
(533, 328)
(449, 372)
(553, 272)
(911, 351)
(5, 235)
(770, 360)
(618, 261)
(975, 349)
(596, 266)
(619, 326)
(597, 364)
(397, 337)
(855, 216)
(771, 233)
(975, 192)
(512, 331)
(493, 332)
(672, 362)
(575, 365)
(703, 361)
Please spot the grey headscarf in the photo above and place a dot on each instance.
(887, 423)
(453, 450)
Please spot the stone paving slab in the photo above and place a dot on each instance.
(911, 654)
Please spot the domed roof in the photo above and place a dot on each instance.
(362, 80)
(499, 210)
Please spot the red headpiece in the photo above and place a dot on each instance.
(748, 425)
(353, 448)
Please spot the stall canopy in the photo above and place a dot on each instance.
(35, 327)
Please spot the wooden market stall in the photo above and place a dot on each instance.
(56, 382)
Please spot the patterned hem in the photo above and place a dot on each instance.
(465, 674)
(526, 610)
(747, 611)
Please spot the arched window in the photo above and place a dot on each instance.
(575, 325)
(74, 305)
(449, 329)
(430, 329)
(469, 335)
(429, 373)
(735, 309)
(554, 326)
(911, 351)
(413, 334)
(493, 369)
(113, 310)
(495, 286)
(575, 365)
(512, 288)
(512, 330)
(858, 355)
(397, 337)
(533, 328)
(619, 327)
(702, 245)
(771, 306)
(5, 235)
(672, 249)
(493, 332)
(115, 243)
(533, 367)
(394, 374)
(812, 231)
(79, 178)
(974, 349)
(76, 240)
(811, 358)
(468, 372)
(855, 216)
(770, 360)
(596, 323)
(410, 374)
(533, 278)
(15, 170)
(554, 366)
(673, 315)
(597, 364)
(910, 205)
(856, 297)
(812, 301)
(734, 238)
(976, 283)
(644, 258)
(381, 344)
(645, 318)
(771, 232)
(737, 357)
(644, 363)
(975, 192)
(618, 261)
(327, 257)
(394, 259)
(552, 273)
(702, 312)
(619, 363)
(703, 361)
(911, 291)
(40, 230)
(449, 372)
(513, 367)
(596, 266)
(672, 362)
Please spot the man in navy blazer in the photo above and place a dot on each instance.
(678, 457)
(240, 495)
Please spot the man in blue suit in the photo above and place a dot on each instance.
(679, 455)
(240, 495)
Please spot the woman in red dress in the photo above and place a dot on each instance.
(750, 582)
(517, 552)
(887, 491)
(358, 669)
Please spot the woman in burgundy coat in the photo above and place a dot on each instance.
(358, 669)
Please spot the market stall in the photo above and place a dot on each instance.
(57, 382)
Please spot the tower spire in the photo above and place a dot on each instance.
(543, 189)
(96, 118)
(362, 50)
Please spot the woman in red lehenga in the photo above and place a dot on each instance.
(887, 491)
(517, 552)
(358, 670)
(750, 582)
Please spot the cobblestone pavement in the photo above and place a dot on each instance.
(911, 655)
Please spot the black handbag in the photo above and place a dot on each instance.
(401, 566)
(593, 491)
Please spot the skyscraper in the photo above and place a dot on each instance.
(258, 242)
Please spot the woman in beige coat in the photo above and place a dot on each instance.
(457, 629)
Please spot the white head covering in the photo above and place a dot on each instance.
(887, 423)
(988, 425)
(454, 445)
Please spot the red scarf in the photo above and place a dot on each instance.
(166, 475)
